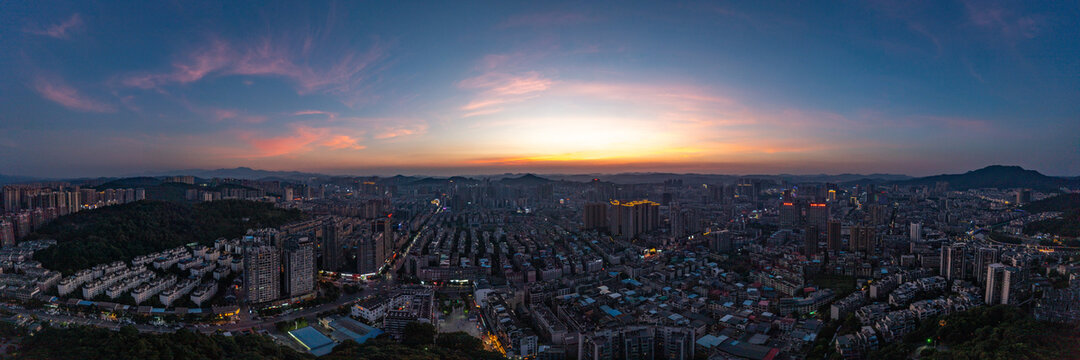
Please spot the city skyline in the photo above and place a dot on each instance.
(742, 88)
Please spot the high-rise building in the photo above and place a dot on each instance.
(7, 233)
(1000, 282)
(370, 253)
(812, 237)
(630, 219)
(595, 216)
(675, 221)
(1023, 196)
(836, 240)
(915, 232)
(721, 241)
(985, 256)
(790, 214)
(817, 214)
(262, 273)
(637, 343)
(879, 214)
(299, 266)
(381, 228)
(676, 343)
(863, 239)
(12, 198)
(331, 246)
(953, 261)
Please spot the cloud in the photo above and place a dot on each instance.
(301, 139)
(61, 93)
(547, 19)
(61, 30)
(329, 115)
(507, 84)
(267, 57)
(1005, 22)
(496, 88)
(343, 142)
(236, 115)
(391, 132)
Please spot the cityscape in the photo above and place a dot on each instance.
(540, 181)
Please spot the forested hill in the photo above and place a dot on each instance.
(121, 232)
(994, 332)
(128, 344)
(96, 343)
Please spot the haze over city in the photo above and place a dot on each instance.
(916, 88)
(541, 180)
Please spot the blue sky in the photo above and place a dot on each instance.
(101, 88)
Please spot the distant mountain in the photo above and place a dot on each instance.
(997, 176)
(525, 180)
(398, 179)
(15, 179)
(654, 178)
(442, 181)
(133, 182)
(239, 173)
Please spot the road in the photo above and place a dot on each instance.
(396, 262)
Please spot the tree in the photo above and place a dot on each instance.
(417, 333)
(459, 340)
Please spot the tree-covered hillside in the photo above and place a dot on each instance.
(1067, 225)
(90, 343)
(986, 333)
(121, 232)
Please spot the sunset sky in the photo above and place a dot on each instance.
(91, 88)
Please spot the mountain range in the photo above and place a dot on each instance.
(999, 176)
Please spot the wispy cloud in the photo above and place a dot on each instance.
(343, 142)
(327, 114)
(546, 19)
(301, 139)
(236, 115)
(61, 30)
(267, 57)
(61, 93)
(400, 130)
(497, 88)
(1003, 21)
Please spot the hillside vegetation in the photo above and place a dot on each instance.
(90, 343)
(997, 332)
(1067, 225)
(121, 232)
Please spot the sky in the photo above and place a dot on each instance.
(101, 88)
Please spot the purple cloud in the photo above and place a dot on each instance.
(61, 30)
(59, 92)
(545, 20)
(266, 58)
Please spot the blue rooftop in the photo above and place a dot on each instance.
(314, 341)
(352, 329)
(610, 311)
